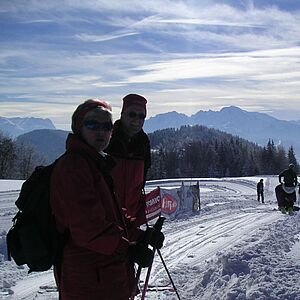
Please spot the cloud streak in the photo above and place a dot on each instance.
(103, 38)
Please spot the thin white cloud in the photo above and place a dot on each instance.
(102, 38)
(37, 21)
(207, 22)
(243, 66)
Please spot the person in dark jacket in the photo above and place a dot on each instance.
(130, 148)
(95, 262)
(289, 176)
(286, 191)
(260, 191)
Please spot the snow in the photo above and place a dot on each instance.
(10, 185)
(234, 248)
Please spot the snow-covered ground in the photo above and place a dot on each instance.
(235, 248)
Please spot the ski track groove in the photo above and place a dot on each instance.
(225, 234)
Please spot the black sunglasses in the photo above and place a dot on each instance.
(133, 115)
(95, 125)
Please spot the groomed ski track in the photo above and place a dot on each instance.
(196, 240)
(229, 215)
(190, 242)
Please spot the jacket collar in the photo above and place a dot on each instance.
(119, 131)
(76, 144)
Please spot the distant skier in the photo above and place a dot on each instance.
(286, 190)
(260, 191)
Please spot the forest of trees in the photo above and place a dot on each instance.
(17, 161)
(191, 151)
(198, 151)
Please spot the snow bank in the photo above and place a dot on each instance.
(260, 267)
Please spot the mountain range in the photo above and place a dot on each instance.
(253, 126)
(14, 127)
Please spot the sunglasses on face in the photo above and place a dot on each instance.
(133, 115)
(95, 125)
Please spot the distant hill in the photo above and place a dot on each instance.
(253, 126)
(191, 151)
(199, 151)
(14, 127)
(171, 119)
(48, 143)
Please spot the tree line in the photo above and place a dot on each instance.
(191, 151)
(17, 160)
(199, 151)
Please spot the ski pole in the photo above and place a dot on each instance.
(158, 226)
(136, 282)
(147, 280)
(299, 195)
(169, 275)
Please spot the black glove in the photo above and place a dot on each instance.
(154, 237)
(141, 254)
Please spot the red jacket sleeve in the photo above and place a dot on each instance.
(82, 202)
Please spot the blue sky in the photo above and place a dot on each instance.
(181, 55)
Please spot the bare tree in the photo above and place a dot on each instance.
(26, 161)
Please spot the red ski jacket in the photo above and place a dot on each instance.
(95, 261)
(133, 159)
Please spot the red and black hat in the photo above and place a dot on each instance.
(83, 109)
(134, 100)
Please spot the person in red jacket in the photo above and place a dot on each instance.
(130, 148)
(95, 260)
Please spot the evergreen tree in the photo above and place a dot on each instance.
(270, 158)
(281, 160)
(292, 158)
(7, 157)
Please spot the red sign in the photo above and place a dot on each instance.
(169, 204)
(153, 204)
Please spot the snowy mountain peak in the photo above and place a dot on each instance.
(231, 109)
(16, 126)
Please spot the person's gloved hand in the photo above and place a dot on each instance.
(128, 219)
(154, 237)
(141, 254)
